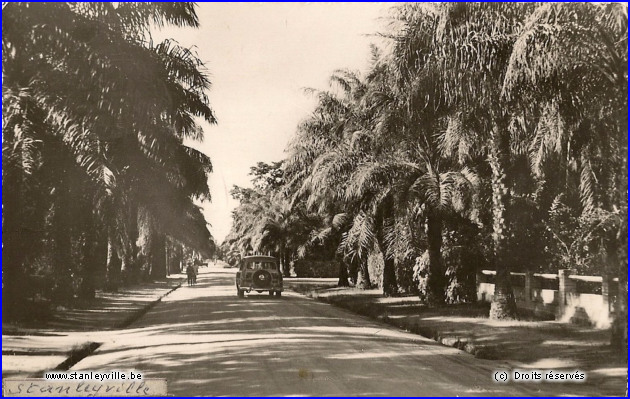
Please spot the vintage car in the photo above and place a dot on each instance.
(259, 273)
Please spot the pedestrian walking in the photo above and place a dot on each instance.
(190, 273)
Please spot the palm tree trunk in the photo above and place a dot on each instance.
(390, 285)
(114, 263)
(284, 264)
(126, 267)
(619, 243)
(353, 272)
(127, 262)
(62, 260)
(14, 282)
(158, 257)
(146, 234)
(343, 275)
(620, 310)
(100, 259)
(134, 277)
(363, 278)
(287, 262)
(176, 258)
(503, 304)
(131, 266)
(87, 288)
(436, 280)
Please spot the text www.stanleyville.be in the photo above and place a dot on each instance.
(93, 376)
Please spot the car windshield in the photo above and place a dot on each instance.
(258, 265)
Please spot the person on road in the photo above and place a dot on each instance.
(190, 272)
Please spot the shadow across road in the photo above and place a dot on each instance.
(206, 341)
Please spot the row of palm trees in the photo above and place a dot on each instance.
(483, 133)
(97, 181)
(265, 221)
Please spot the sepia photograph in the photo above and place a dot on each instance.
(328, 199)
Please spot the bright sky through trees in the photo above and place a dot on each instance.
(260, 57)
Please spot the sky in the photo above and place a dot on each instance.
(260, 57)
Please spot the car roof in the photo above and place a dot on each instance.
(260, 258)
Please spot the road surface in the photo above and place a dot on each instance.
(207, 342)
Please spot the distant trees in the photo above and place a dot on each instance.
(264, 222)
(95, 172)
(487, 135)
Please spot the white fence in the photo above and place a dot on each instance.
(564, 296)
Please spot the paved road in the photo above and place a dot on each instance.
(206, 341)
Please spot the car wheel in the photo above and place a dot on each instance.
(278, 293)
(270, 293)
(240, 292)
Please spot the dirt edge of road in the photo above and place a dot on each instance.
(142, 311)
(335, 296)
(533, 343)
(79, 353)
(461, 343)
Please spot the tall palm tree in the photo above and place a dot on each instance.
(314, 179)
(326, 236)
(410, 182)
(338, 139)
(112, 98)
(466, 48)
(524, 74)
(570, 63)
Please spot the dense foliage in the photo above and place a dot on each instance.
(484, 135)
(98, 185)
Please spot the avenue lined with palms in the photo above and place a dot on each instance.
(477, 165)
(262, 346)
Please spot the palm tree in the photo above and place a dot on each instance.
(410, 182)
(570, 63)
(465, 48)
(21, 123)
(325, 237)
(525, 74)
(111, 97)
(333, 142)
(309, 183)
(266, 222)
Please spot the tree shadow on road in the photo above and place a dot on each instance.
(206, 341)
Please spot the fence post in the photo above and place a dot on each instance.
(478, 280)
(566, 287)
